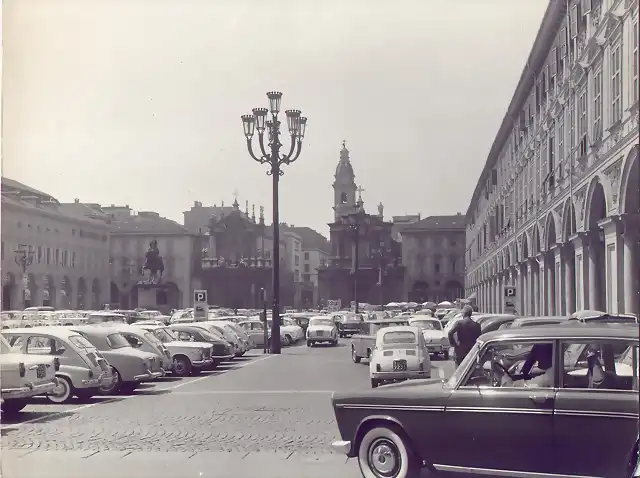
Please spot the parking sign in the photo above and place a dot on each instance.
(200, 305)
(510, 299)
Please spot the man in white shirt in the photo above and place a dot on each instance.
(543, 355)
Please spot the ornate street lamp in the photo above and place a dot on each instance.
(271, 155)
(24, 258)
(355, 221)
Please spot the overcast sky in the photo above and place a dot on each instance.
(139, 102)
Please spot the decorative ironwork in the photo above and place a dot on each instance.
(245, 262)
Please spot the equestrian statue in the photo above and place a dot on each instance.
(153, 263)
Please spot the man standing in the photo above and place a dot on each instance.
(463, 334)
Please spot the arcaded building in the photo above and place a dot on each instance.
(556, 211)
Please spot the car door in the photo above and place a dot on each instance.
(257, 333)
(595, 423)
(507, 428)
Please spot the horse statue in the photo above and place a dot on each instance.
(153, 263)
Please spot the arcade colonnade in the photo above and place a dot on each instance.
(583, 254)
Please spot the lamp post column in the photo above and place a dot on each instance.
(356, 262)
(275, 267)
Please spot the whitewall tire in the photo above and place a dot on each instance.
(63, 392)
(384, 453)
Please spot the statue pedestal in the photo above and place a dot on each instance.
(147, 298)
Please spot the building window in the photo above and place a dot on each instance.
(452, 243)
(343, 198)
(572, 124)
(306, 277)
(2, 250)
(73, 259)
(453, 265)
(57, 257)
(437, 268)
(306, 256)
(634, 59)
(296, 276)
(297, 260)
(616, 83)
(597, 106)
(560, 146)
(582, 122)
(48, 256)
(306, 268)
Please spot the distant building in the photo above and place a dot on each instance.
(380, 275)
(70, 252)
(433, 253)
(556, 210)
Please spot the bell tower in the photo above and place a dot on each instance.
(344, 186)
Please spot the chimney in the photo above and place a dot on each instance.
(76, 200)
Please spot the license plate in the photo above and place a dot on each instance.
(320, 333)
(41, 371)
(399, 365)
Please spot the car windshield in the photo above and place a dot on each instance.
(80, 342)
(471, 357)
(117, 341)
(152, 338)
(165, 335)
(319, 322)
(399, 337)
(427, 324)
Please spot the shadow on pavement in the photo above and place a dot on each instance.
(169, 378)
(41, 417)
(149, 391)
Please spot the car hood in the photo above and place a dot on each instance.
(129, 352)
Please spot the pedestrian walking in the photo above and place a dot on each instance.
(463, 334)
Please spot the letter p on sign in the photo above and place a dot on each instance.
(509, 291)
(200, 296)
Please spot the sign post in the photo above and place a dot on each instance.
(263, 294)
(510, 299)
(200, 305)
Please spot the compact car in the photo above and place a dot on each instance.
(322, 330)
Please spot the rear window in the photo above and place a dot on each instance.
(399, 337)
(117, 341)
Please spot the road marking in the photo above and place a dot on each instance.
(236, 367)
(255, 392)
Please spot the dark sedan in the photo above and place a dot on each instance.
(222, 351)
(564, 417)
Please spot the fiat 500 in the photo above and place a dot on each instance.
(82, 368)
(399, 354)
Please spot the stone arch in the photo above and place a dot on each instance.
(630, 183)
(66, 291)
(550, 231)
(595, 206)
(535, 241)
(569, 220)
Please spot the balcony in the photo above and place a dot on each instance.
(245, 262)
(363, 263)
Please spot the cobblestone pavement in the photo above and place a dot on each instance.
(268, 404)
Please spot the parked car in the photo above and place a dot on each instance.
(232, 331)
(255, 331)
(322, 330)
(349, 324)
(129, 366)
(436, 342)
(290, 330)
(502, 423)
(400, 354)
(106, 316)
(24, 376)
(82, 369)
(633, 461)
(221, 349)
(188, 358)
(496, 322)
(363, 343)
(142, 339)
(585, 316)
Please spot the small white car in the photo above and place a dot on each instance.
(434, 337)
(322, 330)
(24, 376)
(400, 353)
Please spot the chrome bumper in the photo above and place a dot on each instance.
(435, 347)
(93, 382)
(222, 358)
(30, 390)
(202, 363)
(401, 375)
(148, 376)
(342, 446)
(322, 339)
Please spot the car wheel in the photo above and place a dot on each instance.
(374, 383)
(385, 452)
(181, 367)
(63, 393)
(13, 406)
(309, 344)
(354, 355)
(114, 386)
(445, 354)
(289, 339)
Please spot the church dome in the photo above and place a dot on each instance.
(344, 168)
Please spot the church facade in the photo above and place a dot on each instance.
(365, 264)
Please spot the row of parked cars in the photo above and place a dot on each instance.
(109, 358)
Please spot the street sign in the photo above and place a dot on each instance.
(200, 305)
(510, 299)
